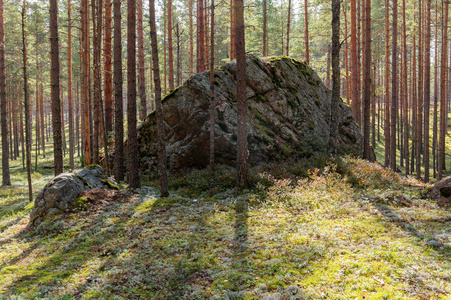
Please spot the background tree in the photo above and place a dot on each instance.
(132, 142)
(56, 103)
(159, 111)
(6, 179)
(119, 122)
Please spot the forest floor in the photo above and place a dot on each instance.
(350, 230)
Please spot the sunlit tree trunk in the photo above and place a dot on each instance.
(443, 86)
(6, 177)
(55, 84)
(333, 139)
(394, 97)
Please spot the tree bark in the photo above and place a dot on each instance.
(212, 89)
(394, 106)
(265, 47)
(288, 28)
(119, 170)
(241, 94)
(355, 103)
(107, 65)
(333, 140)
(404, 84)
(56, 102)
(26, 102)
(427, 88)
(200, 37)
(69, 88)
(159, 110)
(307, 51)
(170, 47)
(367, 80)
(191, 39)
(132, 141)
(6, 177)
(443, 86)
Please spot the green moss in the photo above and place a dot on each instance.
(84, 180)
(234, 137)
(286, 150)
(110, 184)
(91, 167)
(170, 94)
(223, 126)
(259, 117)
(263, 98)
(270, 133)
(292, 103)
(350, 136)
(317, 102)
(80, 203)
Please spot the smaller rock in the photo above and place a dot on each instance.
(292, 290)
(193, 228)
(276, 296)
(172, 220)
(434, 243)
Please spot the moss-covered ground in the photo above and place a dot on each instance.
(349, 230)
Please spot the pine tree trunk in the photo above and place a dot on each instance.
(6, 177)
(200, 37)
(118, 105)
(159, 111)
(170, 47)
(97, 45)
(69, 89)
(394, 102)
(191, 39)
(232, 30)
(265, 38)
(212, 89)
(443, 87)
(367, 81)
(420, 95)
(355, 104)
(56, 103)
(333, 140)
(132, 141)
(427, 88)
(404, 84)
(288, 28)
(434, 130)
(26, 103)
(241, 94)
(107, 65)
(307, 51)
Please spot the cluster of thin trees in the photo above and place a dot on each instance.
(409, 85)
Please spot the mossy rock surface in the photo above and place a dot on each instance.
(63, 192)
(288, 115)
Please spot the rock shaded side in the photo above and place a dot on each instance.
(442, 189)
(62, 190)
(288, 116)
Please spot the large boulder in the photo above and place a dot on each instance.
(288, 116)
(62, 190)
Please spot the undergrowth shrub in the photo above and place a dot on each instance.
(323, 189)
(366, 175)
